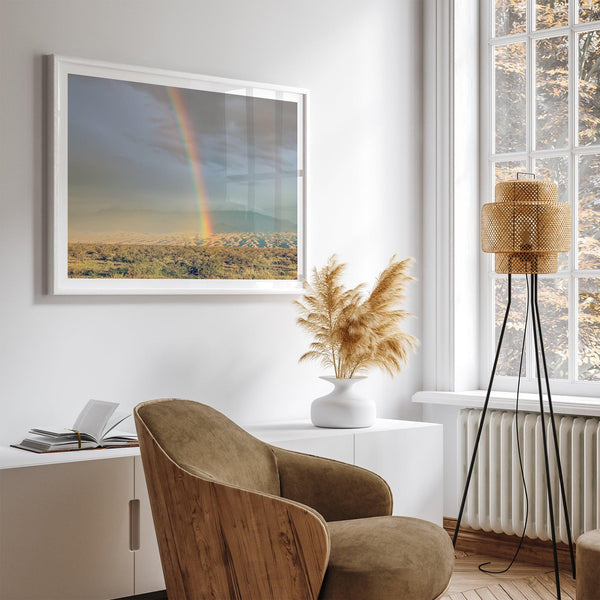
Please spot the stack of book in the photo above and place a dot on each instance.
(95, 427)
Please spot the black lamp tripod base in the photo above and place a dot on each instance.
(540, 362)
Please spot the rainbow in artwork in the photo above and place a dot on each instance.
(191, 147)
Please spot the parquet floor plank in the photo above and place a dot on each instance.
(467, 576)
(485, 594)
(567, 585)
(526, 590)
(543, 592)
(498, 592)
(513, 590)
(523, 582)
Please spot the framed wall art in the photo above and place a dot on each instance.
(173, 183)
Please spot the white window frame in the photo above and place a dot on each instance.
(571, 386)
(451, 340)
(457, 341)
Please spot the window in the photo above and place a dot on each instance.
(542, 102)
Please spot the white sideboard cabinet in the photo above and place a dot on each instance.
(77, 525)
(408, 455)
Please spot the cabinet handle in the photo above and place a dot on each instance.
(134, 525)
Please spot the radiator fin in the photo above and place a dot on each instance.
(496, 499)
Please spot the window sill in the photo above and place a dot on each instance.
(566, 405)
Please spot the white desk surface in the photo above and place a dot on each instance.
(273, 432)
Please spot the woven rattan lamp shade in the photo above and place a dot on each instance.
(526, 227)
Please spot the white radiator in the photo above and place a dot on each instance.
(496, 501)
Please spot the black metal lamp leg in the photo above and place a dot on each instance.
(536, 341)
(537, 323)
(483, 413)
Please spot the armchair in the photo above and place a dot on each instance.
(236, 518)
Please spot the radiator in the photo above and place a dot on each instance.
(496, 500)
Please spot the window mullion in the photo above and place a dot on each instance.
(586, 26)
(531, 136)
(530, 17)
(490, 146)
(582, 150)
(540, 34)
(573, 178)
(548, 153)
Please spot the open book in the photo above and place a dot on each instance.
(95, 427)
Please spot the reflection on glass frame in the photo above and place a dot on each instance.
(170, 183)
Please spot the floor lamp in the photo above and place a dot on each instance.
(526, 227)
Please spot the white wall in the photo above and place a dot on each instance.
(361, 62)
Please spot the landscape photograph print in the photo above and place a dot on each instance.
(175, 183)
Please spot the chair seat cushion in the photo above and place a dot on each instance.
(387, 558)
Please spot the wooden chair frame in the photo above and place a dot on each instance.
(282, 554)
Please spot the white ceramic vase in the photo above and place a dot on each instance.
(343, 408)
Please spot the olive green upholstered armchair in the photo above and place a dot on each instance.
(238, 519)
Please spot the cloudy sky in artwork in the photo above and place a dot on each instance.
(148, 157)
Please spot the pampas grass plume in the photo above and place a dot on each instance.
(353, 333)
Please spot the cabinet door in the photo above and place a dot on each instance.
(337, 447)
(148, 569)
(64, 531)
(411, 461)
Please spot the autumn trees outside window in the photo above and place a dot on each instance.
(543, 73)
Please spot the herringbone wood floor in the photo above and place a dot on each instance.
(523, 582)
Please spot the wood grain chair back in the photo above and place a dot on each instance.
(223, 531)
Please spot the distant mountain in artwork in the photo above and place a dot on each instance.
(226, 240)
(107, 222)
(229, 221)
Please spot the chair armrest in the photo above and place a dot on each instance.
(335, 489)
(218, 540)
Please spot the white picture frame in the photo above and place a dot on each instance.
(94, 187)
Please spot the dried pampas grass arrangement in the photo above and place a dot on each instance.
(353, 333)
